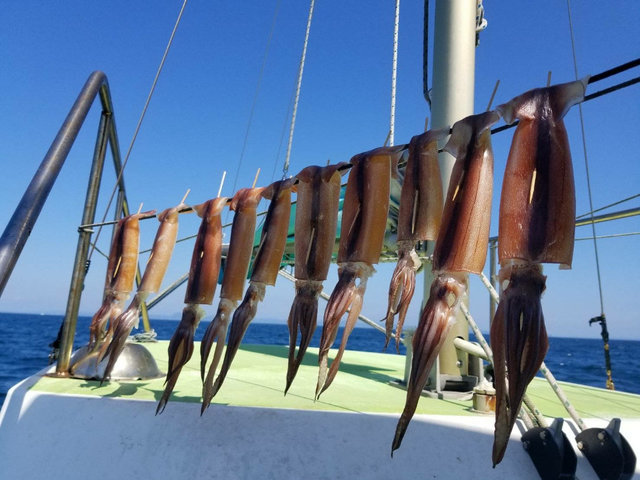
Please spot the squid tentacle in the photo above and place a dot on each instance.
(241, 319)
(304, 317)
(401, 289)
(519, 340)
(344, 296)
(337, 305)
(121, 330)
(435, 322)
(180, 350)
(216, 332)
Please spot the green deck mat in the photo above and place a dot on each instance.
(364, 384)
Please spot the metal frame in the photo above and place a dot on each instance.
(26, 214)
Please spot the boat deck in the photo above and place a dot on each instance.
(252, 430)
(366, 383)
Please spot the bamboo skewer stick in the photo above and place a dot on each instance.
(255, 180)
(493, 95)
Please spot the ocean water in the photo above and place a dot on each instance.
(25, 339)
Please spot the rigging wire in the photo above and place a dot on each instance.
(255, 96)
(425, 55)
(137, 129)
(285, 169)
(394, 74)
(586, 164)
(608, 206)
(282, 133)
(602, 319)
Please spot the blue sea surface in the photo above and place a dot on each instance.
(25, 339)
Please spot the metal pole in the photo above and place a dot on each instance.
(82, 251)
(24, 218)
(452, 99)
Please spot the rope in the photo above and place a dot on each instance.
(285, 169)
(255, 96)
(394, 75)
(586, 163)
(135, 134)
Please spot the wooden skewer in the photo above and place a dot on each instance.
(185, 196)
(140, 208)
(224, 175)
(426, 123)
(495, 89)
(115, 271)
(255, 180)
(387, 139)
(549, 78)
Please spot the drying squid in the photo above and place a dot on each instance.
(364, 221)
(317, 205)
(121, 272)
(203, 278)
(151, 280)
(418, 220)
(244, 203)
(537, 218)
(461, 248)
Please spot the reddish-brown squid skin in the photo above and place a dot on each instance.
(154, 272)
(317, 205)
(121, 271)
(244, 203)
(364, 219)
(536, 225)
(265, 271)
(418, 220)
(203, 275)
(205, 260)
(460, 249)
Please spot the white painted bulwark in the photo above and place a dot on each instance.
(45, 435)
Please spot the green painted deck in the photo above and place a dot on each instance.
(257, 379)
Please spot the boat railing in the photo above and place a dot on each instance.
(26, 213)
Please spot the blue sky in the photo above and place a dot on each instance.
(197, 120)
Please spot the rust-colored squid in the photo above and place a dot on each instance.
(203, 278)
(244, 203)
(461, 248)
(121, 273)
(157, 264)
(418, 220)
(364, 220)
(317, 205)
(537, 218)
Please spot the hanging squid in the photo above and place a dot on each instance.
(537, 218)
(121, 273)
(317, 205)
(418, 220)
(461, 248)
(244, 203)
(203, 278)
(364, 221)
(151, 280)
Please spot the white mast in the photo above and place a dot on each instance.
(452, 99)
